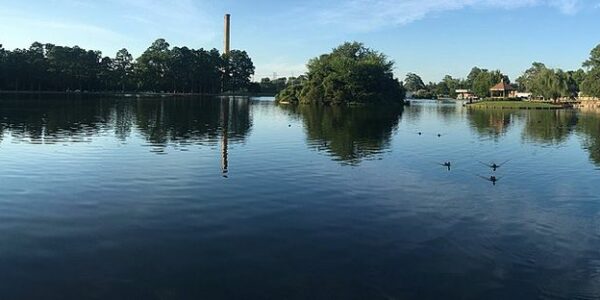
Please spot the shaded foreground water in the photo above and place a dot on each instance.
(242, 199)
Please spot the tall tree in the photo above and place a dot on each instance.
(484, 80)
(153, 67)
(2, 67)
(238, 70)
(550, 84)
(594, 60)
(123, 68)
(413, 83)
(526, 81)
(591, 85)
(451, 85)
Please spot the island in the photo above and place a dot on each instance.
(350, 74)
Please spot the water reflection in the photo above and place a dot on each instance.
(546, 127)
(76, 219)
(549, 127)
(192, 120)
(349, 134)
(162, 122)
(490, 123)
(589, 126)
(49, 121)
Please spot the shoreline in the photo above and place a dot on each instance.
(135, 94)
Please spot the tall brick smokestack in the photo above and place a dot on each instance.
(227, 33)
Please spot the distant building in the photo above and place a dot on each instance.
(501, 90)
(583, 97)
(463, 94)
(521, 95)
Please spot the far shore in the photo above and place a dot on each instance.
(134, 94)
(518, 105)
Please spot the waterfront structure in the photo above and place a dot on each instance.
(501, 90)
(464, 94)
(520, 95)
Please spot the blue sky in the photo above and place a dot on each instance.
(429, 37)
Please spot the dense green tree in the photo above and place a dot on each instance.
(152, 67)
(107, 79)
(2, 66)
(484, 80)
(575, 80)
(591, 84)
(350, 73)
(451, 85)
(551, 84)
(526, 81)
(594, 60)
(123, 68)
(274, 86)
(238, 69)
(36, 66)
(578, 76)
(413, 83)
(472, 76)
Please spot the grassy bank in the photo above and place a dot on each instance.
(515, 105)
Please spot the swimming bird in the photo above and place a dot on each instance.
(494, 166)
(447, 165)
(492, 179)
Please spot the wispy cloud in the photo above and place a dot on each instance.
(182, 19)
(108, 24)
(366, 15)
(21, 29)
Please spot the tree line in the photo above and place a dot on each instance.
(49, 67)
(539, 80)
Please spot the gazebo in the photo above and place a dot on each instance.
(501, 90)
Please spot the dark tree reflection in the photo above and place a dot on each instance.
(549, 127)
(490, 123)
(350, 134)
(161, 121)
(589, 127)
(48, 120)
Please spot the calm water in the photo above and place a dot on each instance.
(242, 199)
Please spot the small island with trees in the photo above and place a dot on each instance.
(350, 74)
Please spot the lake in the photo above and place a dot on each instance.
(238, 198)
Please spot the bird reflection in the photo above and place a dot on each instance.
(492, 179)
(494, 166)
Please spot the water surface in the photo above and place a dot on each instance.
(237, 198)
